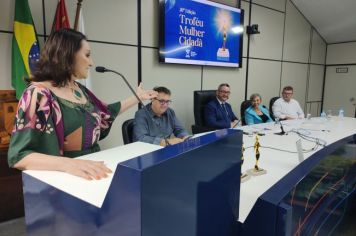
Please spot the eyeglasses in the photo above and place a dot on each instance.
(163, 102)
(225, 92)
(287, 93)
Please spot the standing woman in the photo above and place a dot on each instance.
(256, 113)
(57, 118)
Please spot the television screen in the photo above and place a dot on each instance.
(200, 32)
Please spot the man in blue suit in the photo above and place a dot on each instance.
(218, 113)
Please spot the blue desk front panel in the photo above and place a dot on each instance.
(187, 189)
(199, 194)
(49, 211)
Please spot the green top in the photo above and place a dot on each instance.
(51, 125)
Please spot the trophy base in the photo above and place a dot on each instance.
(255, 172)
(223, 54)
(244, 177)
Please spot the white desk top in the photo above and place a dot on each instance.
(278, 163)
(93, 191)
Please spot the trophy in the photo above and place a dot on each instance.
(223, 53)
(224, 37)
(257, 170)
(244, 176)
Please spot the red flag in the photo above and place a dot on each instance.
(61, 19)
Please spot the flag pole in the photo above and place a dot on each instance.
(54, 20)
(79, 5)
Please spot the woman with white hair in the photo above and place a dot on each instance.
(256, 113)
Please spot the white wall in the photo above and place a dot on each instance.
(288, 51)
(340, 87)
(341, 53)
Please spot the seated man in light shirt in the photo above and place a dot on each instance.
(287, 108)
(158, 124)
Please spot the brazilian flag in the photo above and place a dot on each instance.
(25, 48)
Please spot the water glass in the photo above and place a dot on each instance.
(329, 114)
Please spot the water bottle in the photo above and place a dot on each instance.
(341, 113)
(323, 115)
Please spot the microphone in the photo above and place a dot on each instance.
(102, 69)
(282, 129)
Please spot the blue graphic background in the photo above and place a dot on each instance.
(212, 40)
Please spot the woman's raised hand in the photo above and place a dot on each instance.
(145, 94)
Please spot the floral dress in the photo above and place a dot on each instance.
(51, 125)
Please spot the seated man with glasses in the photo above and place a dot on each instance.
(158, 124)
(287, 108)
(218, 113)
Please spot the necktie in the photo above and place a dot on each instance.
(224, 107)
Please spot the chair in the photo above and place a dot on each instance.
(244, 105)
(127, 131)
(271, 102)
(201, 98)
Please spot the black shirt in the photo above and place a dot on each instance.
(263, 117)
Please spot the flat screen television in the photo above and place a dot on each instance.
(200, 32)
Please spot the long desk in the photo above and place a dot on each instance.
(281, 165)
(63, 204)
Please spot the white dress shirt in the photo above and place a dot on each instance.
(281, 109)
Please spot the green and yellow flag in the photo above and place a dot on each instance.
(25, 48)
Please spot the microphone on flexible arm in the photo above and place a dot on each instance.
(102, 69)
(282, 129)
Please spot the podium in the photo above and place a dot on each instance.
(191, 188)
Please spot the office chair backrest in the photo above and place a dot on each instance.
(244, 105)
(271, 102)
(127, 131)
(201, 98)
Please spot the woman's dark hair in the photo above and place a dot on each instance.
(56, 62)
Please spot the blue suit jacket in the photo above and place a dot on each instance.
(251, 116)
(216, 117)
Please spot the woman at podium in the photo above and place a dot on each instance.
(57, 117)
